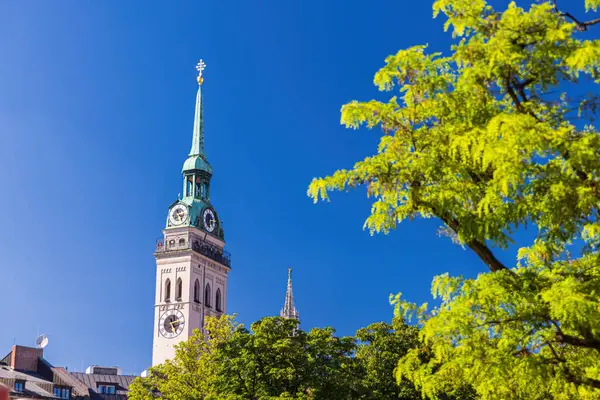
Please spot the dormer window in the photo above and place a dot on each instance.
(19, 386)
(106, 389)
(61, 392)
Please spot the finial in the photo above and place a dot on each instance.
(200, 67)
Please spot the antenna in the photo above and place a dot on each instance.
(41, 341)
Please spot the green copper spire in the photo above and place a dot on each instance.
(197, 158)
(194, 208)
(198, 138)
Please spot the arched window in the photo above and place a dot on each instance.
(197, 291)
(179, 289)
(182, 242)
(168, 290)
(218, 300)
(189, 188)
(207, 295)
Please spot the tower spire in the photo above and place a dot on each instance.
(198, 137)
(196, 160)
(289, 308)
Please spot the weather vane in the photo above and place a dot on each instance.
(200, 67)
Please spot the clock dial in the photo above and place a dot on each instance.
(178, 214)
(171, 323)
(210, 221)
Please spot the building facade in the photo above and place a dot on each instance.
(192, 265)
(28, 375)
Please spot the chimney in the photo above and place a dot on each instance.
(25, 358)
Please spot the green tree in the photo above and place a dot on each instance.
(497, 134)
(332, 371)
(380, 345)
(279, 360)
(193, 373)
(268, 363)
(273, 361)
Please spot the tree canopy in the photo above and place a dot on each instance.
(276, 360)
(494, 136)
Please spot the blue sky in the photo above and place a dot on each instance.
(96, 111)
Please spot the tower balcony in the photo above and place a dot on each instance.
(205, 248)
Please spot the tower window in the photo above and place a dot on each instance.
(207, 295)
(198, 188)
(181, 242)
(189, 187)
(197, 291)
(218, 300)
(168, 290)
(179, 289)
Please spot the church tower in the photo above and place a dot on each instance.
(191, 263)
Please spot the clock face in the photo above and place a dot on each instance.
(171, 323)
(178, 214)
(210, 221)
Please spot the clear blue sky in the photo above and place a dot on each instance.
(96, 111)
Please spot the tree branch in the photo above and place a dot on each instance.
(521, 87)
(590, 343)
(509, 89)
(595, 383)
(554, 353)
(481, 249)
(509, 80)
(582, 26)
(486, 255)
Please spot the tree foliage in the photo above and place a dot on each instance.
(276, 360)
(379, 346)
(193, 373)
(495, 136)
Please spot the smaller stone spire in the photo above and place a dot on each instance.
(289, 308)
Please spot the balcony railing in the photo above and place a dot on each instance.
(205, 248)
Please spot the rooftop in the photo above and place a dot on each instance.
(28, 375)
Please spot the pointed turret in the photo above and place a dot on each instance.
(289, 308)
